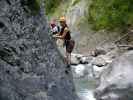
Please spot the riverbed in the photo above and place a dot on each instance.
(85, 88)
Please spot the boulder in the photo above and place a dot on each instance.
(108, 59)
(31, 67)
(74, 60)
(98, 51)
(79, 71)
(112, 54)
(78, 56)
(86, 60)
(97, 71)
(99, 61)
(116, 82)
(80, 59)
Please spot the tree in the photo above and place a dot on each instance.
(111, 14)
(50, 5)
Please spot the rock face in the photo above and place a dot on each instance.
(31, 67)
(75, 12)
(116, 82)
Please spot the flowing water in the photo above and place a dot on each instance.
(85, 88)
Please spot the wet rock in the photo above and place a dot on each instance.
(30, 65)
(116, 82)
(74, 60)
(86, 60)
(78, 56)
(97, 71)
(79, 71)
(80, 59)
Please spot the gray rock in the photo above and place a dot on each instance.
(86, 60)
(31, 68)
(97, 71)
(116, 83)
(74, 60)
(98, 52)
(99, 61)
(79, 71)
(80, 59)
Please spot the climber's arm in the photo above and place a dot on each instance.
(63, 35)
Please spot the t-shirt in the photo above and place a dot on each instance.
(68, 35)
(55, 30)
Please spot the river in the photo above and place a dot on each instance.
(85, 88)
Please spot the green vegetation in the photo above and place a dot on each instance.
(60, 10)
(34, 6)
(51, 5)
(111, 14)
(75, 2)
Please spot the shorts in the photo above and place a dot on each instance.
(68, 46)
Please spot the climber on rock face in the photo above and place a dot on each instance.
(65, 35)
(54, 28)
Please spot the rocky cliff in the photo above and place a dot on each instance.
(116, 82)
(31, 67)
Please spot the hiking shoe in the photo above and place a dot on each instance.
(68, 66)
